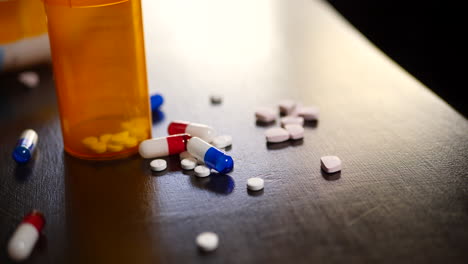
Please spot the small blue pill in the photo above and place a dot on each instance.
(156, 101)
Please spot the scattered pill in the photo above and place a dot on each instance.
(298, 120)
(222, 141)
(156, 101)
(265, 114)
(211, 156)
(216, 99)
(188, 163)
(25, 147)
(163, 146)
(330, 164)
(308, 112)
(276, 135)
(158, 165)
(29, 78)
(255, 184)
(25, 236)
(286, 106)
(207, 241)
(204, 132)
(295, 131)
(202, 171)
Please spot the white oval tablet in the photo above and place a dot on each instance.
(330, 164)
(295, 131)
(265, 114)
(298, 120)
(207, 241)
(308, 112)
(286, 106)
(202, 171)
(276, 134)
(29, 78)
(222, 141)
(188, 163)
(255, 184)
(158, 165)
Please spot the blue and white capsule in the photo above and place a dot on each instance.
(25, 147)
(213, 157)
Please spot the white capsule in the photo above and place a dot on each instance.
(25, 236)
(207, 241)
(330, 164)
(255, 184)
(204, 132)
(295, 131)
(163, 146)
(276, 134)
(158, 165)
(222, 141)
(188, 163)
(265, 114)
(202, 171)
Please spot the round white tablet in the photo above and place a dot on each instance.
(158, 165)
(188, 163)
(255, 184)
(202, 171)
(265, 114)
(295, 131)
(276, 134)
(207, 241)
(330, 164)
(222, 141)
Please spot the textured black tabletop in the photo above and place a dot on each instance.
(400, 198)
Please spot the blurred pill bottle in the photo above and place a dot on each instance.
(23, 34)
(99, 67)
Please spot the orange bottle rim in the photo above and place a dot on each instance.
(83, 3)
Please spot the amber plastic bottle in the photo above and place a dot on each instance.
(21, 19)
(100, 76)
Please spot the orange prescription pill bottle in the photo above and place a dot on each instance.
(21, 19)
(100, 76)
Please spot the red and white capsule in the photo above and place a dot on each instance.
(26, 235)
(204, 132)
(163, 146)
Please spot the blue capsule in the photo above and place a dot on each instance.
(25, 147)
(213, 157)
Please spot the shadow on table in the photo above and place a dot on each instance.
(216, 182)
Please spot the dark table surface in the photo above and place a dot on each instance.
(400, 198)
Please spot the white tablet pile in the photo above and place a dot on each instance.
(292, 122)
